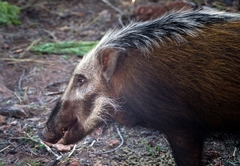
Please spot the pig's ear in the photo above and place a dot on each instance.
(109, 59)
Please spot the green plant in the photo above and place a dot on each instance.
(19, 164)
(33, 162)
(2, 163)
(67, 47)
(9, 14)
(153, 150)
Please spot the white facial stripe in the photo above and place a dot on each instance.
(68, 90)
(99, 107)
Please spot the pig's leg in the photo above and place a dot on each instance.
(186, 147)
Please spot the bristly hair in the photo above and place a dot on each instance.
(171, 27)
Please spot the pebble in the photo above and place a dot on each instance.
(2, 120)
(113, 143)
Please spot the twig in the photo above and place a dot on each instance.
(20, 80)
(118, 10)
(55, 93)
(113, 7)
(58, 157)
(232, 163)
(92, 143)
(16, 147)
(28, 4)
(234, 153)
(52, 34)
(25, 60)
(55, 99)
(122, 141)
(47, 147)
(25, 96)
(62, 15)
(29, 137)
(165, 139)
(28, 48)
(50, 150)
(56, 83)
(94, 20)
(19, 98)
(16, 160)
(70, 154)
(32, 44)
(5, 148)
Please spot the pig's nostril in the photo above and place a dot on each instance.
(50, 137)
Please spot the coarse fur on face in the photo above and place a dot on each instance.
(84, 103)
(187, 85)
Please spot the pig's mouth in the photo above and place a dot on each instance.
(68, 134)
(65, 134)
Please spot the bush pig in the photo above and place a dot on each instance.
(179, 74)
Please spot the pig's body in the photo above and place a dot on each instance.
(182, 77)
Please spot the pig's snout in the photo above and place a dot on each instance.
(50, 136)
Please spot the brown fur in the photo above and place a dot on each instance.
(185, 90)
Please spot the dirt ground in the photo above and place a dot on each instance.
(30, 84)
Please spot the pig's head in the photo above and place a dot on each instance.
(87, 101)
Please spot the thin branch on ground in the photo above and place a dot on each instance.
(31, 4)
(52, 34)
(58, 157)
(20, 80)
(116, 9)
(50, 11)
(28, 48)
(5, 148)
(55, 93)
(25, 60)
(165, 139)
(122, 142)
(65, 14)
(94, 20)
(56, 83)
(74, 148)
(234, 153)
(32, 44)
(54, 99)
(18, 97)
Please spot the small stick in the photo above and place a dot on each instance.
(234, 153)
(32, 44)
(50, 150)
(70, 154)
(93, 143)
(5, 148)
(55, 99)
(122, 141)
(118, 10)
(165, 139)
(47, 147)
(19, 98)
(56, 83)
(52, 34)
(58, 157)
(28, 48)
(54, 93)
(20, 80)
(25, 60)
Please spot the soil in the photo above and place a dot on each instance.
(30, 84)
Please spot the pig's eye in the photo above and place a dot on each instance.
(80, 80)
